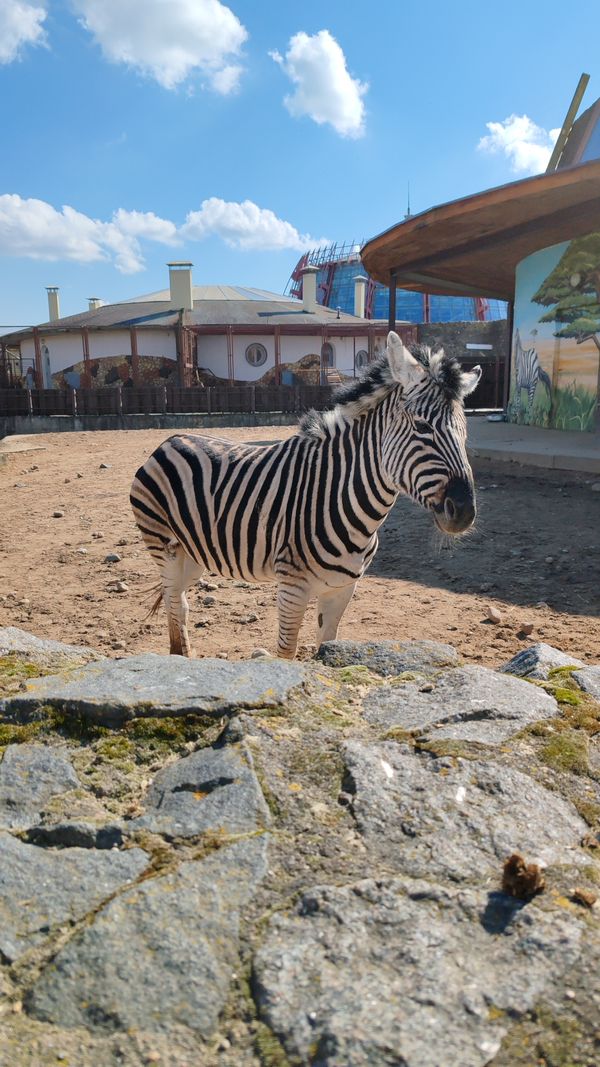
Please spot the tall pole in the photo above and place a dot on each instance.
(565, 130)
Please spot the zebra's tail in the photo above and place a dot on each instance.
(156, 604)
(543, 377)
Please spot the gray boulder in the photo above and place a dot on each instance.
(41, 889)
(454, 819)
(409, 974)
(389, 657)
(159, 955)
(467, 703)
(537, 662)
(114, 691)
(589, 680)
(30, 775)
(213, 789)
(18, 643)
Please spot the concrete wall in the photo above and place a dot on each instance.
(454, 337)
(26, 424)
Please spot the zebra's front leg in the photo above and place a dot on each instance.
(331, 606)
(178, 572)
(292, 601)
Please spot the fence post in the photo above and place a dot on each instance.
(253, 399)
(119, 400)
(29, 402)
(208, 399)
(164, 399)
(74, 402)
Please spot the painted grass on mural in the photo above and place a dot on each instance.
(573, 408)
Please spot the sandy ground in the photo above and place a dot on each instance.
(534, 555)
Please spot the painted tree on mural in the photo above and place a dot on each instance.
(572, 291)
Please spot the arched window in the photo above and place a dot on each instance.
(361, 359)
(256, 354)
(327, 354)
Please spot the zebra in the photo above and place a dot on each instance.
(528, 372)
(304, 512)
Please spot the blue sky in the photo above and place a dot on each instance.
(139, 131)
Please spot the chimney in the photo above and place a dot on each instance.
(53, 303)
(94, 302)
(309, 288)
(180, 281)
(360, 286)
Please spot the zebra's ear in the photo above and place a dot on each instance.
(470, 381)
(404, 367)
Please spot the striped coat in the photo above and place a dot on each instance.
(305, 512)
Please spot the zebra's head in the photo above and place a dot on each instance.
(424, 444)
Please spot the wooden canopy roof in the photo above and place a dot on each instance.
(471, 246)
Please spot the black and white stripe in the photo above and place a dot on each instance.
(304, 512)
(528, 372)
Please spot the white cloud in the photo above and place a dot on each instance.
(20, 24)
(324, 89)
(36, 230)
(527, 146)
(244, 225)
(168, 39)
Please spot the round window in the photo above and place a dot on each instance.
(256, 354)
(362, 358)
(327, 354)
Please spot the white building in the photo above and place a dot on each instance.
(188, 334)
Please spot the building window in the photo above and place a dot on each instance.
(328, 354)
(361, 359)
(256, 354)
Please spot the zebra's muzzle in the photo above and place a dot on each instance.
(456, 511)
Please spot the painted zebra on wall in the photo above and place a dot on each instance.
(304, 512)
(528, 372)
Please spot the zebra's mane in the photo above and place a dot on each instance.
(354, 399)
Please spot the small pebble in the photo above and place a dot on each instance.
(484, 588)
(596, 487)
(209, 601)
(58, 514)
(122, 541)
(67, 480)
(258, 653)
(34, 468)
(79, 474)
(549, 559)
(541, 604)
(250, 618)
(117, 587)
(104, 466)
(113, 557)
(97, 535)
(526, 628)
(493, 615)
(586, 897)
(119, 645)
(222, 655)
(82, 551)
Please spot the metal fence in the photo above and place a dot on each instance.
(165, 399)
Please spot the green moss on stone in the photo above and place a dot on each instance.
(566, 751)
(269, 1049)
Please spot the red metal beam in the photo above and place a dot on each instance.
(230, 362)
(277, 339)
(39, 374)
(86, 378)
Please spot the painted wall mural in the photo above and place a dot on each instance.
(116, 370)
(556, 338)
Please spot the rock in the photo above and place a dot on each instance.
(549, 559)
(401, 972)
(596, 487)
(526, 628)
(58, 514)
(79, 474)
(119, 646)
(76, 835)
(30, 775)
(55, 887)
(122, 541)
(259, 652)
(115, 690)
(537, 661)
(105, 466)
(159, 955)
(249, 618)
(82, 551)
(493, 615)
(213, 789)
(112, 557)
(209, 601)
(432, 817)
(467, 703)
(21, 645)
(117, 587)
(97, 535)
(389, 657)
(589, 680)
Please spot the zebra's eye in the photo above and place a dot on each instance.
(421, 426)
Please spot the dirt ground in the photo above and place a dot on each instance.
(534, 555)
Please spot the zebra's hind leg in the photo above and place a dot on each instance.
(292, 601)
(178, 571)
(332, 604)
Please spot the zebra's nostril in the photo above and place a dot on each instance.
(450, 508)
